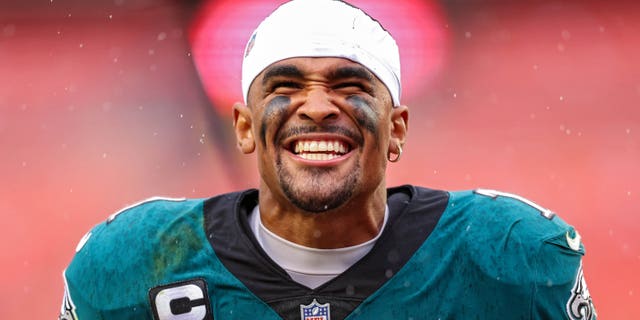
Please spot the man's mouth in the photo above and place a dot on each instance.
(320, 150)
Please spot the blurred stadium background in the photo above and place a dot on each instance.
(106, 102)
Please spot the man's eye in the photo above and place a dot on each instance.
(351, 87)
(285, 85)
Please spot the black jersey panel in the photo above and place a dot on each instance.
(414, 213)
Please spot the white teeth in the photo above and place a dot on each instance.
(318, 156)
(321, 150)
(313, 146)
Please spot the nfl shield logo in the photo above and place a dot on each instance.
(315, 311)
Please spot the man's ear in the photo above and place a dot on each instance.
(399, 128)
(243, 127)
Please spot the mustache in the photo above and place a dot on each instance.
(297, 130)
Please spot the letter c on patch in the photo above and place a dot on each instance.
(187, 300)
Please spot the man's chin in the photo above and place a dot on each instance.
(318, 201)
(318, 190)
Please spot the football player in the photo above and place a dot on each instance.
(322, 237)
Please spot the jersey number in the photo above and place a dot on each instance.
(187, 300)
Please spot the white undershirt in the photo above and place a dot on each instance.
(309, 266)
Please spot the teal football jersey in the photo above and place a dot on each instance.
(443, 255)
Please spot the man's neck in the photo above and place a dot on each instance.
(356, 222)
(309, 266)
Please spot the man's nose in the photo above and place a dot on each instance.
(318, 106)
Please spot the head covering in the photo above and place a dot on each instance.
(323, 28)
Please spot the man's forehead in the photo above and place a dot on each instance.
(328, 67)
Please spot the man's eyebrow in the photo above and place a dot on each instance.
(286, 70)
(351, 72)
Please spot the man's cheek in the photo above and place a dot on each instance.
(275, 113)
(364, 113)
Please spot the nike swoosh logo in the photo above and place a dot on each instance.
(573, 242)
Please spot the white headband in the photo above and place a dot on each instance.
(323, 28)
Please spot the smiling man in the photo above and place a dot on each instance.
(323, 128)
(322, 237)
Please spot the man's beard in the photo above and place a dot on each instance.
(315, 190)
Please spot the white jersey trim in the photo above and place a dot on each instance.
(157, 198)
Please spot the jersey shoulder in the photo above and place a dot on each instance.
(511, 236)
(146, 256)
(133, 247)
(139, 226)
(509, 214)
